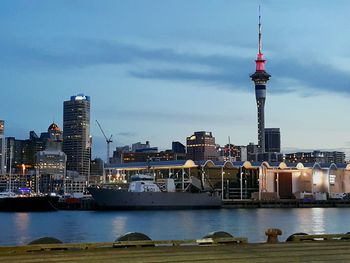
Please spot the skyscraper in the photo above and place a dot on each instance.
(76, 133)
(260, 78)
(272, 140)
(201, 146)
(51, 162)
(2, 147)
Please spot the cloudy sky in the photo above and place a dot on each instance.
(159, 70)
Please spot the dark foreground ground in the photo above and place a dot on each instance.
(336, 251)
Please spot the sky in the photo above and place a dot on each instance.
(159, 70)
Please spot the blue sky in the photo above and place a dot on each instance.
(159, 70)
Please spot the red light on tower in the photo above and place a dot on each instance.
(260, 63)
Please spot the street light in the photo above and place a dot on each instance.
(222, 183)
(241, 181)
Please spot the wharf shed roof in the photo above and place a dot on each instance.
(342, 165)
(295, 165)
(259, 164)
(179, 164)
(226, 164)
(157, 164)
(205, 163)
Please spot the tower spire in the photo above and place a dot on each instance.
(260, 43)
(260, 61)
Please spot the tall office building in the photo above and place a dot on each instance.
(201, 146)
(51, 162)
(76, 133)
(53, 138)
(234, 153)
(178, 147)
(22, 152)
(260, 78)
(272, 140)
(139, 146)
(2, 147)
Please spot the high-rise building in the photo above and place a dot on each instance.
(2, 147)
(234, 153)
(201, 146)
(51, 167)
(23, 152)
(76, 133)
(336, 157)
(272, 140)
(51, 162)
(139, 145)
(260, 78)
(96, 171)
(118, 154)
(178, 147)
(53, 138)
(252, 148)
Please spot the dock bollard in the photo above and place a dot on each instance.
(45, 241)
(272, 235)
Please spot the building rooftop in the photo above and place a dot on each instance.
(54, 127)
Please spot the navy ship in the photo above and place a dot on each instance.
(144, 193)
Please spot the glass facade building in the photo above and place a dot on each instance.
(76, 134)
(201, 146)
(272, 140)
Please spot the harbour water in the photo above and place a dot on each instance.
(97, 226)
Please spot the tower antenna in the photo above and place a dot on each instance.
(260, 42)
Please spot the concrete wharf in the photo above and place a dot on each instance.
(237, 203)
(283, 203)
(327, 250)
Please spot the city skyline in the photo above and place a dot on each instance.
(161, 76)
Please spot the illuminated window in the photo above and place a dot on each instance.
(332, 179)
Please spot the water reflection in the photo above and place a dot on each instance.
(318, 220)
(21, 226)
(21, 221)
(119, 225)
(88, 226)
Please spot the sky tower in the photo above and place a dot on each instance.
(260, 78)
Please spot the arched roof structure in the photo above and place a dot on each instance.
(333, 166)
(209, 164)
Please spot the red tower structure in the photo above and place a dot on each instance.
(260, 78)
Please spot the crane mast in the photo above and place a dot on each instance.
(108, 140)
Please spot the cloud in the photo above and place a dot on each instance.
(311, 77)
(289, 74)
(183, 118)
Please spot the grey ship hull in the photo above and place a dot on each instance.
(114, 199)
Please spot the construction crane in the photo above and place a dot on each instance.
(108, 141)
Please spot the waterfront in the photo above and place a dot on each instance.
(91, 226)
